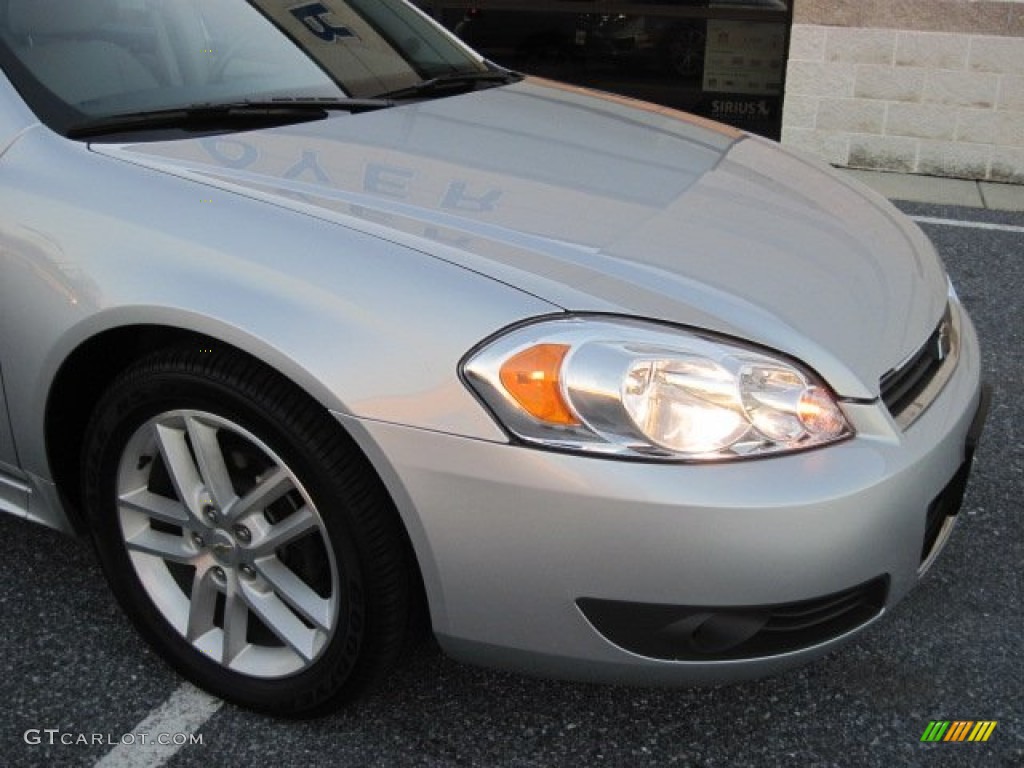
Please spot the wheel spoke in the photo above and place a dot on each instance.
(236, 623)
(154, 506)
(280, 620)
(167, 546)
(210, 458)
(212, 559)
(203, 605)
(180, 466)
(297, 593)
(298, 524)
(267, 491)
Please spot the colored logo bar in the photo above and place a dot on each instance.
(959, 730)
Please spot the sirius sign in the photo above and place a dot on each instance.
(759, 109)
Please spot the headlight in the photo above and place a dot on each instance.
(636, 389)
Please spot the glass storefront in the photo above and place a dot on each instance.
(723, 59)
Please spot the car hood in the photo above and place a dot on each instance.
(598, 203)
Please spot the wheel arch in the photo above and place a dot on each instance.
(99, 352)
(93, 365)
(78, 384)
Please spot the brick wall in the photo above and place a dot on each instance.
(922, 86)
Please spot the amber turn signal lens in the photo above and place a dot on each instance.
(532, 377)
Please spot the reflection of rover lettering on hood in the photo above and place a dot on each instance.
(601, 203)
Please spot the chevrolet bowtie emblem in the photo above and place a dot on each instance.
(944, 343)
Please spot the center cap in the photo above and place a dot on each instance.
(224, 548)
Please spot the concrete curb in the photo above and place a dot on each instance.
(938, 191)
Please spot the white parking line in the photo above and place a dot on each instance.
(968, 224)
(173, 722)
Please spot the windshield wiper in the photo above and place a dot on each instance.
(444, 85)
(210, 116)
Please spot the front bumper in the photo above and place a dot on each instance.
(512, 540)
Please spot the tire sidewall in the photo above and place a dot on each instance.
(125, 408)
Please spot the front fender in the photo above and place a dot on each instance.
(367, 327)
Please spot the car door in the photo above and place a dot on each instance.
(7, 455)
(14, 118)
(13, 493)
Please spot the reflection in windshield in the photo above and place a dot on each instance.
(94, 58)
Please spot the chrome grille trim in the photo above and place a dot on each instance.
(908, 390)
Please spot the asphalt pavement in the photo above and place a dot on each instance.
(72, 667)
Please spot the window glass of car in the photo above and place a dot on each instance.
(75, 59)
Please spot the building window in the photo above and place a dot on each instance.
(722, 59)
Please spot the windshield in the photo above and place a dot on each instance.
(75, 60)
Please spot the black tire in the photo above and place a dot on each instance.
(353, 560)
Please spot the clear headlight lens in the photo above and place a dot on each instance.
(638, 389)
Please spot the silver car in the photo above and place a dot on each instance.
(321, 327)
